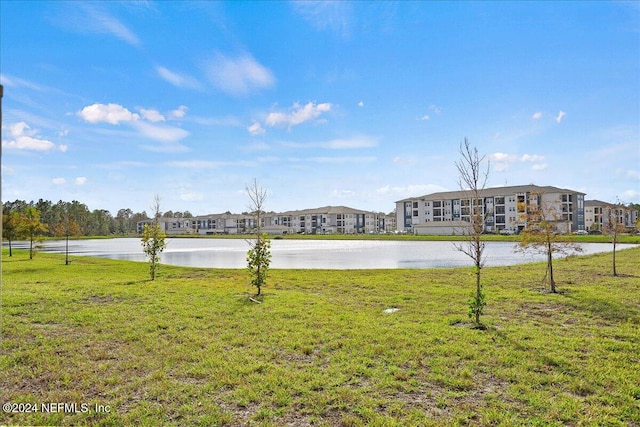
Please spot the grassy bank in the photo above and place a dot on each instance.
(191, 349)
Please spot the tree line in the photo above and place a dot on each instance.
(76, 219)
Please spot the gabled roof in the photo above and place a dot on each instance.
(492, 192)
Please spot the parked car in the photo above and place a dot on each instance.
(581, 232)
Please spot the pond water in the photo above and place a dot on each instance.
(306, 254)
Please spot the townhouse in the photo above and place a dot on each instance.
(504, 209)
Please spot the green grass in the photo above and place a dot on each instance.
(191, 349)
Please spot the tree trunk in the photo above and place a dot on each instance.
(552, 282)
(478, 292)
(615, 273)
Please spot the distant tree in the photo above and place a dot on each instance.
(123, 221)
(541, 234)
(66, 227)
(168, 214)
(11, 226)
(153, 239)
(32, 228)
(613, 226)
(473, 177)
(259, 254)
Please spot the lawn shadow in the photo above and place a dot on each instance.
(603, 308)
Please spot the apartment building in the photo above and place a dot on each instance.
(225, 223)
(324, 220)
(505, 210)
(596, 215)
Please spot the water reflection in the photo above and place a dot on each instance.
(306, 254)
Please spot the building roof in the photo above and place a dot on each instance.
(325, 210)
(591, 203)
(492, 192)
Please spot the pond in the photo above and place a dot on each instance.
(307, 254)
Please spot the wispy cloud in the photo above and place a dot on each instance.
(337, 144)
(86, 17)
(238, 76)
(298, 114)
(333, 16)
(178, 80)
(81, 180)
(205, 164)
(560, 116)
(22, 137)
(409, 190)
(366, 159)
(11, 81)
(537, 115)
(256, 129)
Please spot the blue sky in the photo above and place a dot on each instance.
(325, 103)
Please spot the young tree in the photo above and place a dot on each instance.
(259, 254)
(473, 177)
(11, 225)
(614, 226)
(541, 234)
(153, 239)
(32, 228)
(65, 228)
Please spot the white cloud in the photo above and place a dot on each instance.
(299, 114)
(503, 161)
(109, 113)
(256, 129)
(425, 117)
(531, 158)
(539, 167)
(178, 113)
(360, 104)
(178, 80)
(630, 195)
(25, 138)
(81, 180)
(560, 116)
(58, 181)
(147, 123)
(238, 76)
(151, 115)
(536, 115)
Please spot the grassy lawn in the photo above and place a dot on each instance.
(191, 349)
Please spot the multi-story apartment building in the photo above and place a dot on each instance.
(504, 209)
(596, 215)
(225, 223)
(329, 219)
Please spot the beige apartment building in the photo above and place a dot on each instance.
(505, 210)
